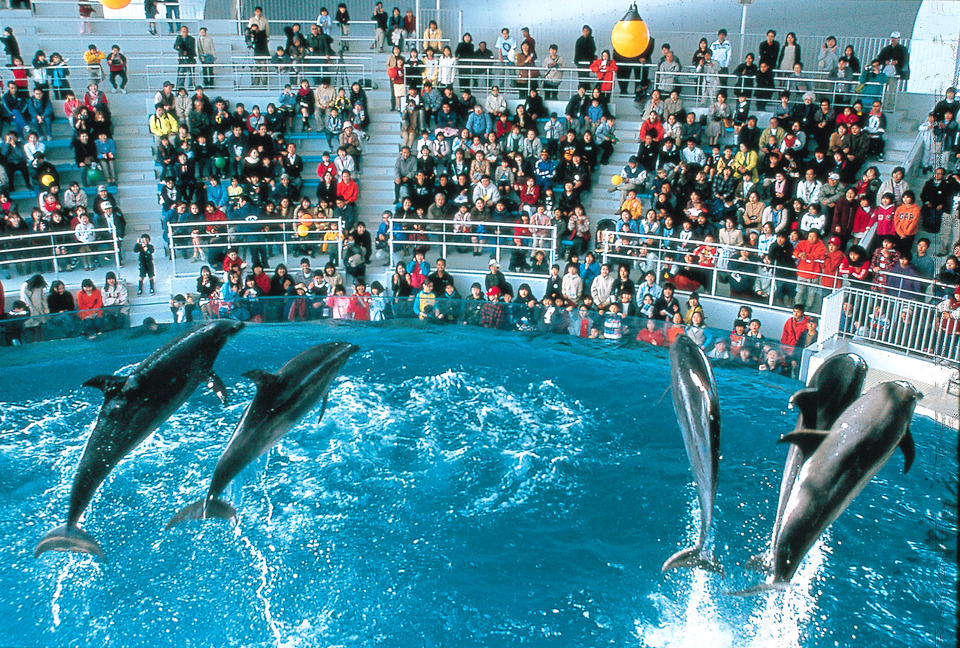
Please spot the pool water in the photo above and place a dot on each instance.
(465, 488)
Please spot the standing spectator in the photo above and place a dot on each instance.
(145, 251)
(585, 50)
(379, 19)
(10, 45)
(722, 53)
(172, 12)
(897, 56)
(207, 51)
(92, 57)
(117, 64)
(260, 21)
(86, 12)
(186, 48)
(769, 50)
(605, 69)
(150, 13)
(432, 37)
(342, 17)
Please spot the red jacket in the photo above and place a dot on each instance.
(605, 71)
(812, 265)
(89, 305)
(831, 269)
(348, 191)
(794, 330)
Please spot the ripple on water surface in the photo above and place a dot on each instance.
(463, 489)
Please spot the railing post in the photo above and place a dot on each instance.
(56, 261)
(340, 260)
(173, 249)
(116, 251)
(390, 240)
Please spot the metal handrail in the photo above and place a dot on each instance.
(670, 245)
(490, 238)
(18, 252)
(191, 236)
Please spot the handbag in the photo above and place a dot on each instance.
(355, 260)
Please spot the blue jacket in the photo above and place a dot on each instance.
(478, 124)
(40, 108)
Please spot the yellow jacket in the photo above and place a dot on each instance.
(93, 57)
(165, 125)
(747, 160)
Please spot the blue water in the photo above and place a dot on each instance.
(465, 488)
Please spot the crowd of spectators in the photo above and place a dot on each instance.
(793, 198)
(77, 224)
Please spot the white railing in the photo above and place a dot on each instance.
(481, 76)
(633, 248)
(911, 327)
(208, 241)
(58, 252)
(251, 74)
(493, 239)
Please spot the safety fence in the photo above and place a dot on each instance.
(562, 82)
(896, 322)
(256, 241)
(737, 273)
(511, 310)
(59, 252)
(510, 243)
(251, 73)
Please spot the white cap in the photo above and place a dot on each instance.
(895, 34)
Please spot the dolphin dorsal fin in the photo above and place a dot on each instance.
(909, 450)
(262, 379)
(107, 383)
(806, 401)
(806, 439)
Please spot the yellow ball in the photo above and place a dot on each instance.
(303, 230)
(47, 180)
(630, 38)
(115, 4)
(616, 180)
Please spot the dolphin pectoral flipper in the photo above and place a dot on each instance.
(908, 449)
(107, 383)
(805, 400)
(806, 439)
(694, 558)
(67, 538)
(204, 509)
(215, 384)
(323, 408)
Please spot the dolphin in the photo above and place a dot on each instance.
(698, 412)
(841, 462)
(833, 387)
(281, 400)
(133, 407)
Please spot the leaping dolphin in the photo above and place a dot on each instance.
(835, 384)
(842, 461)
(133, 407)
(698, 412)
(281, 400)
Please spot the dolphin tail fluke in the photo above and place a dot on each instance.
(693, 558)
(762, 587)
(69, 538)
(204, 509)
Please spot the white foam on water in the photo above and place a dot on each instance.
(695, 622)
(58, 591)
(260, 564)
(781, 617)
